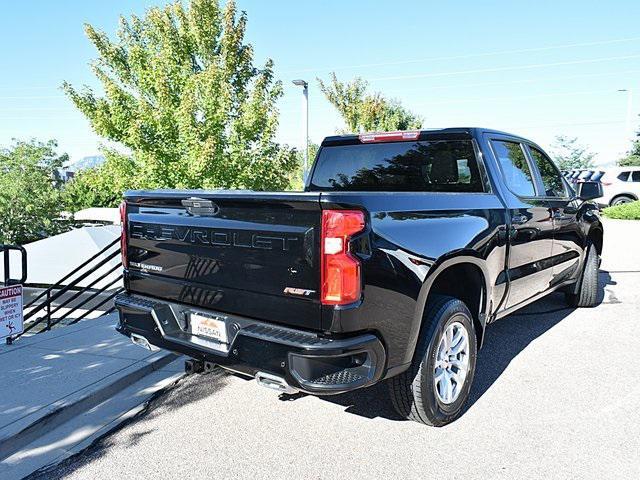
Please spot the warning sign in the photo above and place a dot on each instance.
(11, 320)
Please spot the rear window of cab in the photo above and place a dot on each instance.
(417, 166)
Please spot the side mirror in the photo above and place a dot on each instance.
(589, 190)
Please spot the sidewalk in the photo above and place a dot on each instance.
(50, 380)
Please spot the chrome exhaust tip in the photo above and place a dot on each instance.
(143, 342)
(275, 383)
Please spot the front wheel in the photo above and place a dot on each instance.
(435, 388)
(587, 294)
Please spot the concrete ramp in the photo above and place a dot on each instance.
(64, 388)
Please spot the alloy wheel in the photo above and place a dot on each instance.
(452, 363)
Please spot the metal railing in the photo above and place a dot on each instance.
(6, 250)
(70, 285)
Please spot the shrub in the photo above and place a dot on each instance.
(626, 211)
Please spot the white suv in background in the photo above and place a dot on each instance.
(620, 185)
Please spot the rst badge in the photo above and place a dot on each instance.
(299, 292)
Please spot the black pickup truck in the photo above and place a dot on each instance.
(403, 247)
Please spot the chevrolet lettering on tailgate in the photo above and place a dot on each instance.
(214, 237)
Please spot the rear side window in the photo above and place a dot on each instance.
(514, 167)
(551, 178)
(635, 176)
(424, 166)
(624, 176)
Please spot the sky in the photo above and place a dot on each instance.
(537, 69)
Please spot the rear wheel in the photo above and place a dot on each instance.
(621, 199)
(435, 388)
(587, 294)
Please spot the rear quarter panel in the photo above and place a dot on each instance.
(411, 238)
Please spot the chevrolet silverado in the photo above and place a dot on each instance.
(389, 266)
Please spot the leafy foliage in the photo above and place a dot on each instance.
(101, 186)
(182, 93)
(632, 159)
(363, 111)
(29, 198)
(296, 182)
(629, 161)
(569, 154)
(626, 211)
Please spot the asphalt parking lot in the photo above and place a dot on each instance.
(556, 395)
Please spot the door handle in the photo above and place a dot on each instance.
(519, 219)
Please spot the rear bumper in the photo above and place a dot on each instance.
(306, 361)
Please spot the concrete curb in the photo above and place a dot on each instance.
(128, 415)
(22, 433)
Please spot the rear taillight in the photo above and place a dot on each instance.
(123, 234)
(405, 136)
(340, 277)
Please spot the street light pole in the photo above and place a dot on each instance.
(305, 108)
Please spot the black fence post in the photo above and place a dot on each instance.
(5, 252)
(48, 310)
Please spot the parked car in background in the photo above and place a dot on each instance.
(583, 176)
(573, 177)
(620, 185)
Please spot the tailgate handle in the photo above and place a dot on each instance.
(200, 206)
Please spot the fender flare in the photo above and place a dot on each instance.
(458, 258)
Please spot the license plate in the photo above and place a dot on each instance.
(209, 327)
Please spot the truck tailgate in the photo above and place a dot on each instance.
(246, 253)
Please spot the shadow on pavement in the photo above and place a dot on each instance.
(504, 340)
(188, 390)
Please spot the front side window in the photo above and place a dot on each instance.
(423, 166)
(635, 176)
(551, 179)
(514, 167)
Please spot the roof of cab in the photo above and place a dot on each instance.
(460, 132)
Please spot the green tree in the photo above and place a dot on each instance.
(569, 154)
(30, 203)
(632, 158)
(362, 111)
(296, 182)
(101, 186)
(182, 93)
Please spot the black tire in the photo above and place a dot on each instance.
(413, 392)
(587, 294)
(621, 199)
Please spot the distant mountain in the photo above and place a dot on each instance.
(86, 162)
